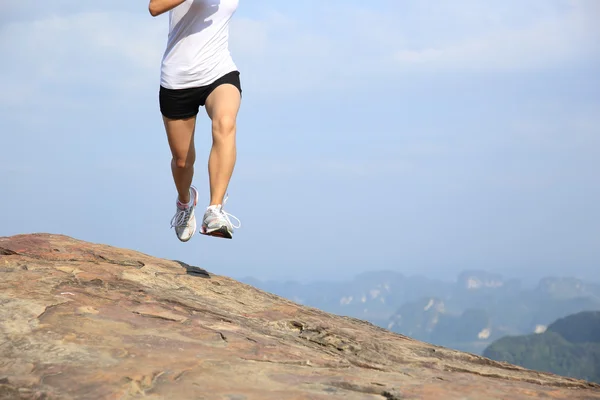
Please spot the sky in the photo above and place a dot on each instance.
(421, 136)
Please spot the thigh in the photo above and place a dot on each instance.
(223, 103)
(180, 134)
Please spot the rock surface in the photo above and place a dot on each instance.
(88, 321)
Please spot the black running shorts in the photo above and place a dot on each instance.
(185, 103)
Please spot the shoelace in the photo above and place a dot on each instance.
(226, 215)
(181, 217)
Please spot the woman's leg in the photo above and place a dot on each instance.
(180, 134)
(222, 107)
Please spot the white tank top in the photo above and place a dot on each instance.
(197, 50)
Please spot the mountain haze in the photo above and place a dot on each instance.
(467, 314)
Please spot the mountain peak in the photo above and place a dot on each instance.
(582, 327)
(480, 279)
(83, 320)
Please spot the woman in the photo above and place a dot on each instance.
(197, 70)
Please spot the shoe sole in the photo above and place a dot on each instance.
(222, 232)
(185, 240)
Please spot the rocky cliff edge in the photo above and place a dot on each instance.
(88, 321)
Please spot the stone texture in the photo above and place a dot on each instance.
(87, 321)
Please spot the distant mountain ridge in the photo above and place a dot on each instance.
(569, 347)
(467, 314)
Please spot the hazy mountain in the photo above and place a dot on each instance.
(468, 314)
(483, 308)
(569, 347)
(372, 296)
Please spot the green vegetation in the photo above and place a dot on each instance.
(583, 327)
(569, 347)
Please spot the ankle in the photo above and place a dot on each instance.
(184, 200)
(215, 202)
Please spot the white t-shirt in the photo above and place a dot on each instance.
(197, 50)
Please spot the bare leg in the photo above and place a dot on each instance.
(222, 107)
(180, 134)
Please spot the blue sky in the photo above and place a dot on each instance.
(419, 136)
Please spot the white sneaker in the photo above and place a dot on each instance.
(184, 220)
(216, 222)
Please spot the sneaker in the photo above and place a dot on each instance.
(216, 222)
(184, 220)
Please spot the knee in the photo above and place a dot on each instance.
(182, 162)
(223, 126)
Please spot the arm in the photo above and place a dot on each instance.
(157, 7)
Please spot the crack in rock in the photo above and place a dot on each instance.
(376, 389)
(156, 316)
(7, 252)
(125, 263)
(391, 394)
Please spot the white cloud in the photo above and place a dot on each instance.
(545, 41)
(56, 55)
(352, 45)
(297, 50)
